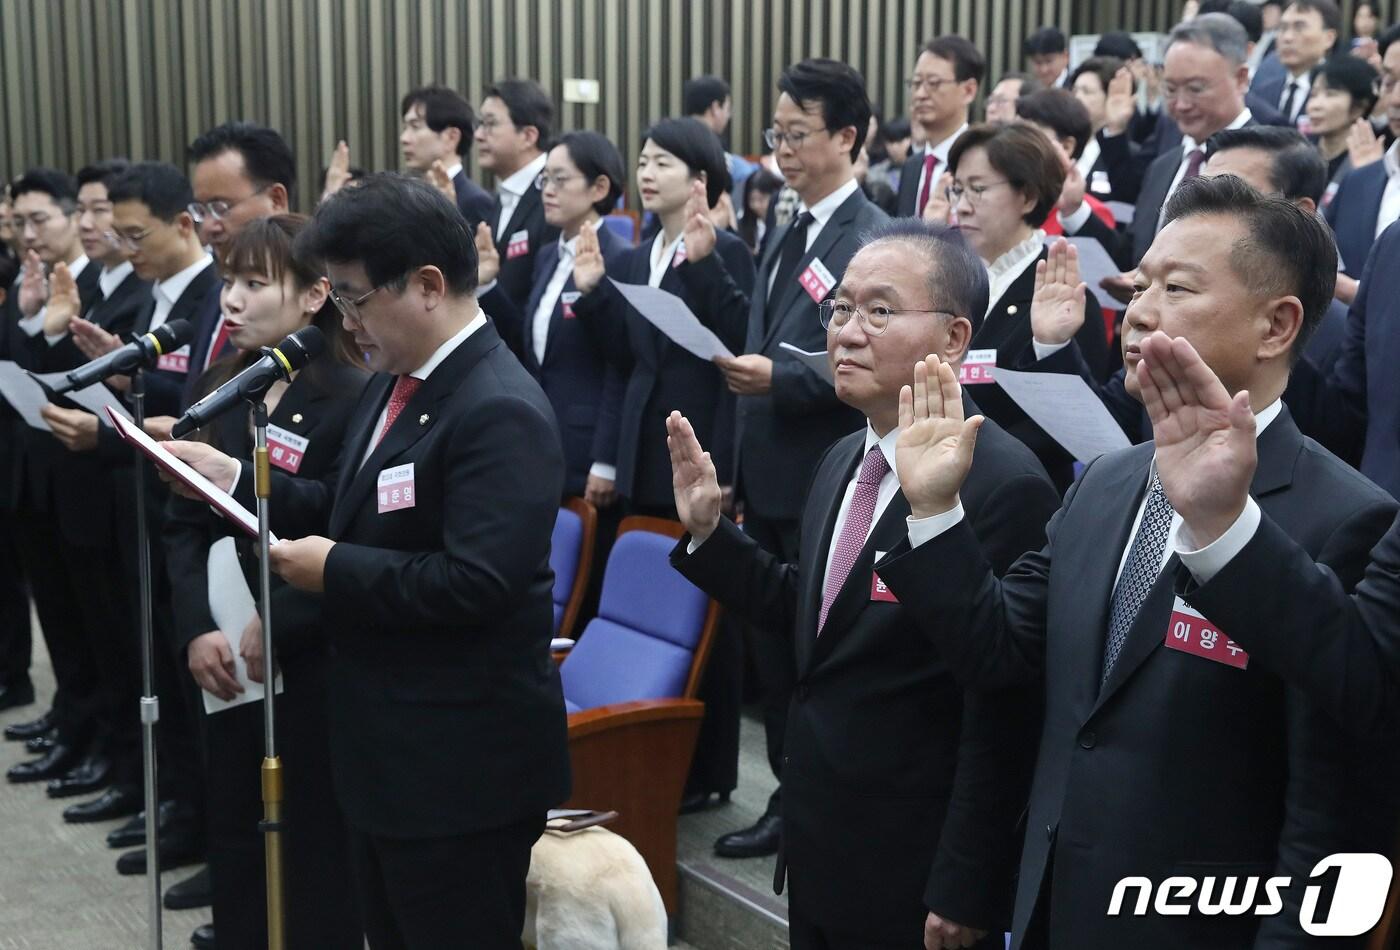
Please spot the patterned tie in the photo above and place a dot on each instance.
(930, 162)
(1139, 571)
(855, 529)
(404, 388)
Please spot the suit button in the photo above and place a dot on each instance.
(786, 759)
(1049, 832)
(1087, 739)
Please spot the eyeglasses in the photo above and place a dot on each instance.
(776, 137)
(933, 85)
(127, 242)
(955, 192)
(835, 314)
(218, 210)
(351, 308)
(1195, 91)
(545, 180)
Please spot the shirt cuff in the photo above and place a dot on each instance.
(1074, 222)
(32, 325)
(603, 470)
(922, 530)
(1045, 350)
(1211, 559)
(692, 546)
(233, 486)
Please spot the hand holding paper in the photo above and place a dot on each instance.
(668, 313)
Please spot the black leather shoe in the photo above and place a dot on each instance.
(42, 743)
(194, 891)
(28, 730)
(699, 801)
(760, 839)
(117, 802)
(178, 849)
(89, 775)
(203, 937)
(51, 764)
(16, 694)
(133, 833)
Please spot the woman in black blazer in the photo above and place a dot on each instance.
(269, 292)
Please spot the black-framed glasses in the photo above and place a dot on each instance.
(835, 314)
(218, 210)
(774, 138)
(955, 192)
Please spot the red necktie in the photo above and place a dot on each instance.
(404, 388)
(217, 347)
(854, 530)
(1194, 159)
(930, 161)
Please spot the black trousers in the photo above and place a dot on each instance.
(15, 633)
(459, 891)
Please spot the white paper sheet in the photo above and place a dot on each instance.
(1123, 212)
(94, 398)
(814, 360)
(669, 314)
(1067, 409)
(26, 396)
(1094, 265)
(232, 606)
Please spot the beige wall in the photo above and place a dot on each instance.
(86, 79)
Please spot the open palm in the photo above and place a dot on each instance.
(934, 450)
(693, 479)
(1057, 307)
(589, 268)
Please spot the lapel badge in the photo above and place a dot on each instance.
(1011, 309)
(296, 417)
(423, 419)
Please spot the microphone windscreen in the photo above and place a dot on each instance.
(303, 346)
(173, 335)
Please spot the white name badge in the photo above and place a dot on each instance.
(977, 367)
(566, 300)
(286, 449)
(518, 245)
(395, 489)
(817, 281)
(177, 362)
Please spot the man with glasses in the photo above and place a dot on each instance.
(787, 413)
(899, 801)
(941, 91)
(1307, 33)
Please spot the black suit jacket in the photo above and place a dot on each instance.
(446, 712)
(168, 391)
(1126, 770)
(788, 429)
(517, 272)
(900, 790)
(909, 175)
(475, 202)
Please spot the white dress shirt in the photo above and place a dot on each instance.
(1189, 145)
(663, 255)
(1006, 269)
(168, 291)
(1390, 198)
(1088, 159)
(821, 213)
(512, 189)
(454, 171)
(112, 277)
(544, 313)
(1304, 84)
(941, 152)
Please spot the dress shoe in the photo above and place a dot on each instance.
(18, 694)
(89, 775)
(194, 891)
(699, 801)
(117, 802)
(760, 839)
(28, 730)
(42, 743)
(203, 937)
(51, 764)
(178, 849)
(133, 833)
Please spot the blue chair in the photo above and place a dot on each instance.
(571, 558)
(623, 225)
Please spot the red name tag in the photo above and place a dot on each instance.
(679, 257)
(977, 367)
(817, 281)
(878, 590)
(285, 449)
(566, 300)
(177, 362)
(1189, 631)
(518, 245)
(395, 489)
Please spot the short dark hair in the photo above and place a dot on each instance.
(698, 94)
(595, 155)
(104, 172)
(1330, 13)
(528, 104)
(267, 157)
(1119, 44)
(1286, 251)
(58, 185)
(443, 108)
(838, 87)
(391, 224)
(1046, 40)
(694, 143)
(160, 186)
(968, 61)
(896, 129)
(1297, 169)
(1062, 111)
(1244, 12)
(1388, 36)
(1104, 67)
(1029, 83)
(1019, 152)
(956, 276)
(1352, 75)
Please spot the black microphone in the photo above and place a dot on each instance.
(138, 354)
(278, 362)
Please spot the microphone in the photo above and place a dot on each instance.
(138, 354)
(278, 362)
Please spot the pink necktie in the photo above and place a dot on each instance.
(404, 388)
(1194, 159)
(930, 160)
(855, 529)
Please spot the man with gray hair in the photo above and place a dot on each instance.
(901, 790)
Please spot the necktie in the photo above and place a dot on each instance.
(1287, 106)
(794, 246)
(404, 388)
(217, 347)
(930, 162)
(856, 527)
(1194, 159)
(1139, 571)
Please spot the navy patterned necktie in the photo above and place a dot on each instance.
(1139, 571)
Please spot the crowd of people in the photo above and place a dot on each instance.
(996, 680)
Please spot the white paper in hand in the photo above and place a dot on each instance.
(232, 606)
(814, 360)
(96, 398)
(669, 314)
(1067, 409)
(26, 396)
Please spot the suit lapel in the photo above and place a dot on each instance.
(521, 215)
(831, 232)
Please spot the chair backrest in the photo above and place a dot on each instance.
(624, 224)
(571, 557)
(653, 631)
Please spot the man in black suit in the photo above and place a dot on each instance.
(897, 812)
(437, 130)
(787, 413)
(944, 85)
(512, 138)
(448, 735)
(1137, 689)
(1308, 32)
(1047, 55)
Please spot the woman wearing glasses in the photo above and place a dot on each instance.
(582, 179)
(268, 292)
(1006, 181)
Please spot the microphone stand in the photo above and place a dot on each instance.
(150, 704)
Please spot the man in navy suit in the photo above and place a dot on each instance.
(1307, 33)
(437, 127)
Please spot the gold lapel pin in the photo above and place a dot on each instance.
(423, 419)
(296, 417)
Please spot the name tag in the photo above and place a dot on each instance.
(1189, 631)
(878, 590)
(518, 245)
(977, 367)
(395, 489)
(1099, 183)
(679, 257)
(285, 449)
(816, 280)
(566, 300)
(177, 362)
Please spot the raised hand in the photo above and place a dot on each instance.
(589, 268)
(92, 340)
(1121, 103)
(338, 173)
(439, 179)
(33, 288)
(693, 479)
(488, 259)
(1205, 447)
(1057, 309)
(1072, 193)
(699, 227)
(934, 451)
(939, 209)
(64, 303)
(1363, 148)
